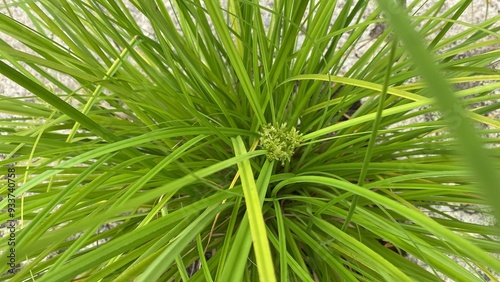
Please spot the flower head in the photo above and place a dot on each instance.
(279, 142)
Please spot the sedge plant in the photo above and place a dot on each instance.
(207, 141)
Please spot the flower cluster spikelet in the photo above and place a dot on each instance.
(279, 142)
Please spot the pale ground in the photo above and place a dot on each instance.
(477, 13)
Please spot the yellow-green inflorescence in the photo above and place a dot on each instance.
(279, 142)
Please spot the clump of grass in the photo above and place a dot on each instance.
(156, 133)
